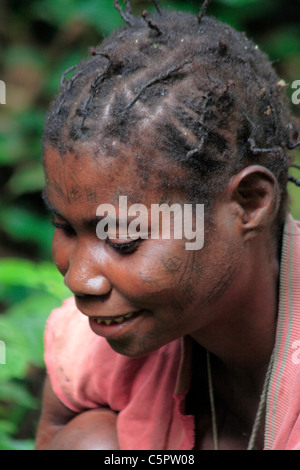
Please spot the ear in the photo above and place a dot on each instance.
(255, 189)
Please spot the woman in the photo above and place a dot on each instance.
(163, 347)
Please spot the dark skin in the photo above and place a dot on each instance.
(228, 307)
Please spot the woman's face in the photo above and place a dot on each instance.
(140, 294)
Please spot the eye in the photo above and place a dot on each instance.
(67, 229)
(124, 248)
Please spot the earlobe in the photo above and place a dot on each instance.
(256, 191)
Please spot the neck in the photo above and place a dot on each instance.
(242, 334)
(240, 337)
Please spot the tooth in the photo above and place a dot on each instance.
(129, 315)
(119, 320)
(116, 320)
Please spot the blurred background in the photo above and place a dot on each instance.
(39, 39)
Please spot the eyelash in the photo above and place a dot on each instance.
(124, 248)
(68, 230)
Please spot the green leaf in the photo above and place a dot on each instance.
(283, 43)
(103, 16)
(239, 3)
(42, 276)
(14, 55)
(22, 224)
(104, 19)
(22, 326)
(22, 331)
(16, 393)
(28, 179)
(6, 443)
(7, 427)
(11, 147)
(16, 351)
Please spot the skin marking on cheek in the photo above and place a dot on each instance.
(148, 280)
(58, 189)
(69, 180)
(171, 264)
(91, 194)
(132, 197)
(220, 287)
(197, 268)
(75, 194)
(189, 292)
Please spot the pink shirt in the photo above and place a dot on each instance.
(149, 392)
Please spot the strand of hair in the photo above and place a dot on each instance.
(294, 180)
(294, 165)
(293, 145)
(100, 78)
(191, 153)
(70, 82)
(62, 80)
(128, 7)
(203, 10)
(157, 6)
(95, 86)
(162, 76)
(256, 150)
(125, 15)
(145, 16)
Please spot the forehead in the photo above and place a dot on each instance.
(89, 175)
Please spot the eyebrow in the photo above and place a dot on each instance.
(55, 211)
(49, 205)
(91, 222)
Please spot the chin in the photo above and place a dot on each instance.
(127, 348)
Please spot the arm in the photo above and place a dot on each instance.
(63, 429)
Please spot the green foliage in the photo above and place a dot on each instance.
(39, 40)
(30, 291)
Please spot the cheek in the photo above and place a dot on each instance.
(60, 253)
(162, 271)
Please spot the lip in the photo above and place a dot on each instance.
(114, 329)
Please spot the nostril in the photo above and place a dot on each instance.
(75, 287)
(89, 299)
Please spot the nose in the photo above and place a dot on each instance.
(86, 273)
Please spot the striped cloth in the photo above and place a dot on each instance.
(282, 431)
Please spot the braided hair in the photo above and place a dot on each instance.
(205, 95)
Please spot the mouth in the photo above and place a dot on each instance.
(109, 321)
(114, 327)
